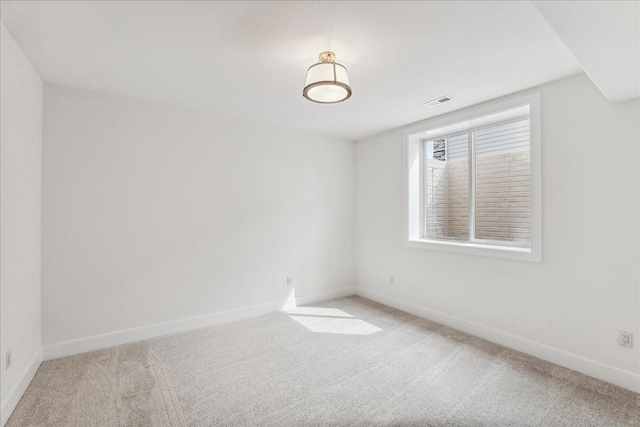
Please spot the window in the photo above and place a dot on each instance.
(473, 182)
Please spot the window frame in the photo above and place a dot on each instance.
(414, 191)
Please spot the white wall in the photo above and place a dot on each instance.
(20, 192)
(566, 309)
(154, 214)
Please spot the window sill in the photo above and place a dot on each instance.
(495, 251)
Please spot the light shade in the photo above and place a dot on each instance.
(327, 81)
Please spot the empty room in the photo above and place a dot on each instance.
(320, 213)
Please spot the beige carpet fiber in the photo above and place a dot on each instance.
(343, 362)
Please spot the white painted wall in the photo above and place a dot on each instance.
(154, 214)
(20, 218)
(566, 309)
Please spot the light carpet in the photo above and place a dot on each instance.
(343, 362)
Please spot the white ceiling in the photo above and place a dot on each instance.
(248, 59)
(604, 37)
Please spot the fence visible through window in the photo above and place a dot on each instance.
(501, 185)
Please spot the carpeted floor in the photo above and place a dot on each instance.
(343, 362)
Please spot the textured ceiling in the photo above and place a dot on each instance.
(248, 59)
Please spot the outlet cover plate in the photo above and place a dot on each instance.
(625, 338)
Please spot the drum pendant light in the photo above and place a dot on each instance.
(327, 81)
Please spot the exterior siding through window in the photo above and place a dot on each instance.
(502, 185)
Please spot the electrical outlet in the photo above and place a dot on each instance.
(8, 360)
(289, 281)
(625, 338)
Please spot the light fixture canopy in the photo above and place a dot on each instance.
(327, 81)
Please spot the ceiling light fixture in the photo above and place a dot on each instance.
(327, 81)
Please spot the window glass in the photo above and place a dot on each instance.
(503, 183)
(446, 179)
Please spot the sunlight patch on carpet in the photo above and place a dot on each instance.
(331, 321)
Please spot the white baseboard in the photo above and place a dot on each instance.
(11, 401)
(592, 368)
(96, 342)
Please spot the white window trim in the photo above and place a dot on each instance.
(412, 230)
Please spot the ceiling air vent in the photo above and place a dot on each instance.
(438, 101)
